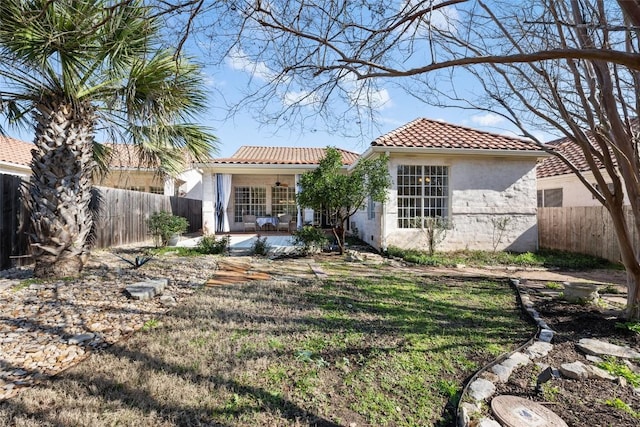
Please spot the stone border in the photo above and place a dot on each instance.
(481, 385)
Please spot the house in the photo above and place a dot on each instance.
(15, 156)
(473, 179)
(128, 171)
(483, 184)
(125, 170)
(558, 186)
(258, 181)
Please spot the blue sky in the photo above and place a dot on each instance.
(396, 108)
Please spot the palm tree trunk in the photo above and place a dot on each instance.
(60, 187)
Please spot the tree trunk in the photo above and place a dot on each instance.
(60, 187)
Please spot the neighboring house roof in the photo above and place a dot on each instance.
(425, 133)
(252, 155)
(15, 151)
(127, 156)
(553, 166)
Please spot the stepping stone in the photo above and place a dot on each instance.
(602, 348)
(80, 338)
(147, 289)
(546, 335)
(513, 411)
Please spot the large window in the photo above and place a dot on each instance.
(423, 191)
(250, 201)
(283, 201)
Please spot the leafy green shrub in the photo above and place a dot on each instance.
(260, 246)
(164, 225)
(310, 239)
(210, 245)
(631, 326)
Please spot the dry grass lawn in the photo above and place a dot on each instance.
(371, 345)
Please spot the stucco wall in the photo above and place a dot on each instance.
(482, 189)
(574, 193)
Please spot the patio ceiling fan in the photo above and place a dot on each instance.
(281, 184)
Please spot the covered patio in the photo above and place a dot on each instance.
(241, 243)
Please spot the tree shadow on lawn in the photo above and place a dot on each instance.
(88, 384)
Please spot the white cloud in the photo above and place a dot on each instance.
(302, 97)
(238, 60)
(488, 119)
(377, 99)
(443, 19)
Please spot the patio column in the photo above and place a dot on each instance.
(208, 204)
(299, 209)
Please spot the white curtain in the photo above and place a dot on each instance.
(225, 197)
(223, 193)
(299, 209)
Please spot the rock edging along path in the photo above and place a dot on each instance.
(482, 386)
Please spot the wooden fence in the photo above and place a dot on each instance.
(584, 229)
(122, 217)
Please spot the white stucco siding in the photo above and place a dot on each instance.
(481, 189)
(574, 192)
(192, 186)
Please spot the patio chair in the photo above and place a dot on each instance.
(249, 222)
(284, 222)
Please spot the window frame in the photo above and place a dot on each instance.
(254, 202)
(422, 191)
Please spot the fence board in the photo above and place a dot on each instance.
(587, 230)
(121, 218)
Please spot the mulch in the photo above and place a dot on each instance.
(578, 403)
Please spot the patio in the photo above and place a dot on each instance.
(241, 243)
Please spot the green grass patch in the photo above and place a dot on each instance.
(543, 258)
(381, 346)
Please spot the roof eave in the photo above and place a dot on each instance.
(456, 151)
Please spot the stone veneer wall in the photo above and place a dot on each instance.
(482, 188)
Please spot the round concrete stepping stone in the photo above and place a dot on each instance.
(513, 411)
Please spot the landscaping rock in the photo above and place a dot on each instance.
(488, 422)
(595, 372)
(481, 389)
(80, 338)
(580, 292)
(503, 372)
(602, 348)
(516, 359)
(147, 289)
(575, 370)
(538, 349)
(546, 335)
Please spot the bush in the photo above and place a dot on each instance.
(211, 245)
(164, 225)
(310, 239)
(260, 246)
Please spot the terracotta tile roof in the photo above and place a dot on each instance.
(553, 166)
(15, 151)
(425, 133)
(126, 156)
(252, 155)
